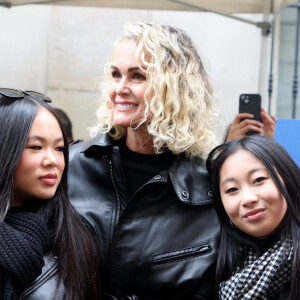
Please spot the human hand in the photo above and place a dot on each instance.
(269, 124)
(240, 128)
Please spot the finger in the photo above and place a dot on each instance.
(253, 129)
(239, 117)
(262, 110)
(251, 122)
(267, 119)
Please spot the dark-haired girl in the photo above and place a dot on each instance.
(256, 188)
(46, 249)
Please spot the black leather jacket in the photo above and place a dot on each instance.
(44, 287)
(164, 244)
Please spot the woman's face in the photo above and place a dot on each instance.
(250, 196)
(42, 163)
(127, 87)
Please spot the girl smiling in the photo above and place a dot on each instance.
(256, 190)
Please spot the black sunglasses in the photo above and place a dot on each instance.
(18, 94)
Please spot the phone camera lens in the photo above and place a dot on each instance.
(242, 97)
(246, 101)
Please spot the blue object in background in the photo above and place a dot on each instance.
(287, 133)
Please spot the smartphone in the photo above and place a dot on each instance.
(251, 103)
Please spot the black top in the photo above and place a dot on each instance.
(139, 168)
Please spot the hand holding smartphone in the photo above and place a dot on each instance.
(251, 119)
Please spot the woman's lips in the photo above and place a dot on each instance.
(254, 214)
(49, 179)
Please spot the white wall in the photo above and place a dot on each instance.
(61, 51)
(24, 47)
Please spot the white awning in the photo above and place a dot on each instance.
(224, 6)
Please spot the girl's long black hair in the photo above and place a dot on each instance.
(73, 242)
(281, 167)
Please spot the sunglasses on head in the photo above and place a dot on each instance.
(18, 94)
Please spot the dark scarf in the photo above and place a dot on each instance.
(23, 239)
(262, 277)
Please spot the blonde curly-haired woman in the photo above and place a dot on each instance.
(141, 182)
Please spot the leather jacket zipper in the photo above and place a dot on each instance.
(117, 194)
(174, 256)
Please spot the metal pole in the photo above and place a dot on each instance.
(295, 81)
(270, 85)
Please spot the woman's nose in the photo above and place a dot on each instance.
(50, 159)
(249, 197)
(122, 87)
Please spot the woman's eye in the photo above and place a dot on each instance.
(35, 147)
(139, 76)
(116, 74)
(231, 190)
(61, 149)
(259, 179)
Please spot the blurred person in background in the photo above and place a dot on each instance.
(65, 123)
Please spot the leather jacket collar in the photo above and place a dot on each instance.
(101, 140)
(185, 174)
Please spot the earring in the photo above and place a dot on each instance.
(232, 224)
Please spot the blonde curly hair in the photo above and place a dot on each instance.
(179, 97)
